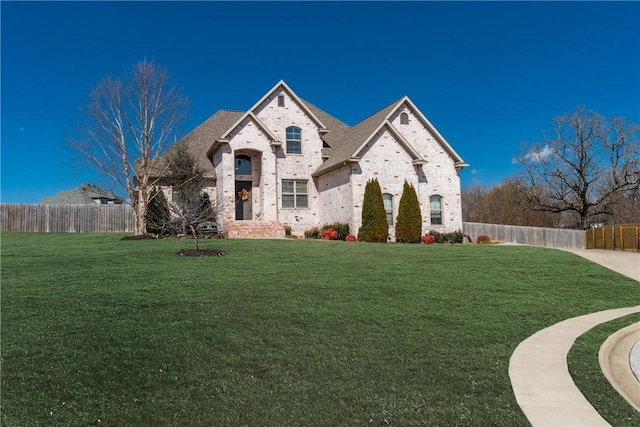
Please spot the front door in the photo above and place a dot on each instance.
(243, 200)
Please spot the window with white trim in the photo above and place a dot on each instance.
(387, 199)
(280, 100)
(294, 140)
(404, 119)
(294, 194)
(435, 206)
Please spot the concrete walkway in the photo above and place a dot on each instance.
(538, 367)
(623, 262)
(540, 377)
(618, 359)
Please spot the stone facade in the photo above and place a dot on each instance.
(325, 181)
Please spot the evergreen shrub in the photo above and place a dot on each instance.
(409, 221)
(157, 214)
(374, 226)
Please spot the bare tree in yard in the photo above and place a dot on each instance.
(503, 203)
(125, 124)
(585, 168)
(189, 203)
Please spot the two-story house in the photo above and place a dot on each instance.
(286, 162)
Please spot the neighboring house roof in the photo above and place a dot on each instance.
(83, 195)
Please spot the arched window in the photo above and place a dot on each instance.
(404, 119)
(388, 207)
(435, 206)
(294, 140)
(243, 165)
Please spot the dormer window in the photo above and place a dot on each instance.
(280, 100)
(404, 119)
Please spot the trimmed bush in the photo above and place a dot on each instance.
(313, 233)
(374, 218)
(483, 240)
(341, 228)
(329, 234)
(351, 238)
(428, 239)
(409, 222)
(453, 237)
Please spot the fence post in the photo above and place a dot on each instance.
(613, 236)
(621, 239)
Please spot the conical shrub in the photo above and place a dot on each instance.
(374, 226)
(409, 221)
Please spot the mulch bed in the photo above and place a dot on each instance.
(201, 252)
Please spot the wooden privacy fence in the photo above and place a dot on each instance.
(535, 236)
(66, 218)
(625, 237)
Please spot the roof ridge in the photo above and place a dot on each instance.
(397, 101)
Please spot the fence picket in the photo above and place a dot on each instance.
(66, 218)
(535, 236)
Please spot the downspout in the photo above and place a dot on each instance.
(275, 153)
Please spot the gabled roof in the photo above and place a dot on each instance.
(342, 143)
(281, 85)
(352, 141)
(224, 139)
(200, 140)
(346, 147)
(85, 194)
(448, 148)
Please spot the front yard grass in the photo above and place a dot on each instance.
(277, 332)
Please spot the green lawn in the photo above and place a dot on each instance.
(96, 330)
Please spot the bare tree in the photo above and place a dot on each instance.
(189, 203)
(125, 124)
(504, 203)
(587, 164)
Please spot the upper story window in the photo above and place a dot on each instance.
(243, 165)
(435, 206)
(388, 207)
(294, 140)
(294, 194)
(404, 119)
(280, 100)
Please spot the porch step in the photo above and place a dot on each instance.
(253, 229)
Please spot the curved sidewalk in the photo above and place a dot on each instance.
(618, 357)
(540, 377)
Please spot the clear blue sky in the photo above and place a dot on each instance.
(487, 75)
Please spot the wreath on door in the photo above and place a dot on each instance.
(243, 195)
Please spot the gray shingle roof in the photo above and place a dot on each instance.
(349, 140)
(343, 141)
(200, 140)
(85, 194)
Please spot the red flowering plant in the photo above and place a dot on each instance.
(428, 239)
(351, 238)
(329, 234)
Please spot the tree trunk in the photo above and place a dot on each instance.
(195, 237)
